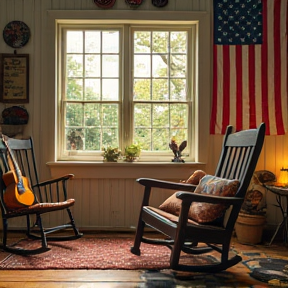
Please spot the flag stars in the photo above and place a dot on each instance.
(238, 17)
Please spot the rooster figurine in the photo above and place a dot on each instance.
(177, 150)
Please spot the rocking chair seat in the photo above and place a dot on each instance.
(165, 216)
(41, 208)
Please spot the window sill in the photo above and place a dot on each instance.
(120, 170)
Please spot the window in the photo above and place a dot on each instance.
(125, 84)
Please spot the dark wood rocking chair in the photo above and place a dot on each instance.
(238, 159)
(50, 195)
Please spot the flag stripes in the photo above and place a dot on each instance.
(250, 81)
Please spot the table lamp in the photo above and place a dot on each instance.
(283, 176)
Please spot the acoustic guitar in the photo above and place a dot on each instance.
(17, 193)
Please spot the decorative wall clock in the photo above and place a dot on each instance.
(16, 34)
(159, 3)
(134, 3)
(105, 3)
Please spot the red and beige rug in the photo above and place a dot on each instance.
(93, 253)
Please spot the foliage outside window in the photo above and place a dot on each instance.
(116, 93)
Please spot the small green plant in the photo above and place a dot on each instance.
(132, 152)
(111, 154)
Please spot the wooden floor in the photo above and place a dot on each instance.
(238, 275)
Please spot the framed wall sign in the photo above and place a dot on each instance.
(14, 78)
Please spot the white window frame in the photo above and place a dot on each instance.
(201, 69)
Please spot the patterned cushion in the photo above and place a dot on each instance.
(204, 212)
(173, 204)
(212, 185)
(195, 177)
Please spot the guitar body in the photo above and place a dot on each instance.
(17, 195)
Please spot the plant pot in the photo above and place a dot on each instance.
(249, 228)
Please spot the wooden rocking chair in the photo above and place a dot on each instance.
(238, 159)
(47, 196)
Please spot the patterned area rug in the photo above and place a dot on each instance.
(273, 271)
(94, 253)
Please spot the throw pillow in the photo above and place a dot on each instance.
(212, 185)
(173, 204)
(196, 177)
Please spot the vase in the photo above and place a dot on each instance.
(249, 228)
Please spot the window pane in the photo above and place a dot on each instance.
(92, 41)
(143, 138)
(178, 42)
(74, 66)
(110, 66)
(179, 122)
(142, 42)
(142, 115)
(74, 42)
(160, 141)
(179, 115)
(74, 114)
(92, 65)
(92, 89)
(178, 89)
(159, 66)
(110, 42)
(142, 66)
(74, 89)
(160, 89)
(160, 115)
(178, 65)
(110, 89)
(110, 115)
(141, 90)
(160, 42)
(110, 137)
(74, 138)
(92, 139)
(92, 114)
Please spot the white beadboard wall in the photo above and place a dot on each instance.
(107, 202)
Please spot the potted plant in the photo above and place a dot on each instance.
(252, 217)
(132, 152)
(111, 154)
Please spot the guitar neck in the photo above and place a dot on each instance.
(14, 162)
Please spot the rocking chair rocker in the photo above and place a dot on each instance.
(239, 156)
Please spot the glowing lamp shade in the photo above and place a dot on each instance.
(283, 177)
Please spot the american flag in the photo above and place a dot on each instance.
(250, 65)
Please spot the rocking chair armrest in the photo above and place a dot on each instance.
(193, 197)
(155, 183)
(55, 180)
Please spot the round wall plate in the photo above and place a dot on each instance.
(105, 3)
(159, 3)
(16, 34)
(134, 3)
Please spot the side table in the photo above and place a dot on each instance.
(282, 200)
